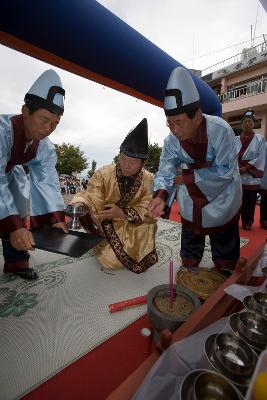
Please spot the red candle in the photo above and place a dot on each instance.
(127, 304)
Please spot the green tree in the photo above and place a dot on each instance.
(91, 171)
(70, 159)
(115, 159)
(154, 152)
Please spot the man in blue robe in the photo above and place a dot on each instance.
(251, 162)
(203, 148)
(24, 142)
(263, 193)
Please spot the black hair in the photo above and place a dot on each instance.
(31, 107)
(191, 114)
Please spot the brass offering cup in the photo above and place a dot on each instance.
(75, 211)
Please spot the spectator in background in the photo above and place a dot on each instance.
(263, 193)
(251, 162)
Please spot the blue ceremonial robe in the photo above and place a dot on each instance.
(210, 199)
(252, 157)
(251, 150)
(263, 192)
(263, 183)
(37, 194)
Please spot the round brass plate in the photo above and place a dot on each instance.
(200, 281)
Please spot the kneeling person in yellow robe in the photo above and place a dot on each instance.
(118, 196)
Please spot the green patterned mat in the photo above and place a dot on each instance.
(48, 324)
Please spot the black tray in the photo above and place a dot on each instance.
(73, 244)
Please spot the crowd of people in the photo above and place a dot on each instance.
(72, 185)
(219, 178)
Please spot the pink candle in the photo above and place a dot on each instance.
(171, 282)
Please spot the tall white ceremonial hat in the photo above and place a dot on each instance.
(181, 95)
(47, 92)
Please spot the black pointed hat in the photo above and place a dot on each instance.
(136, 142)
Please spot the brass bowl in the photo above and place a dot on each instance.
(260, 303)
(240, 380)
(248, 303)
(187, 385)
(234, 354)
(234, 322)
(253, 327)
(210, 385)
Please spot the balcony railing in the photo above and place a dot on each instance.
(260, 48)
(251, 89)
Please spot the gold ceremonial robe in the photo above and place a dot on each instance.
(129, 242)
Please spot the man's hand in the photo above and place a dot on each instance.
(22, 239)
(112, 211)
(242, 170)
(178, 180)
(61, 225)
(156, 207)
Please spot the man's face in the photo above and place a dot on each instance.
(129, 165)
(40, 124)
(182, 126)
(247, 125)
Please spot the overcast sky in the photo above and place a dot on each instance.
(187, 30)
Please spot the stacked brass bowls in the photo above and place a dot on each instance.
(203, 384)
(232, 357)
(251, 327)
(235, 354)
(257, 303)
(260, 303)
(210, 385)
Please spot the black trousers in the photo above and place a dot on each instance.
(248, 206)
(15, 260)
(225, 247)
(263, 208)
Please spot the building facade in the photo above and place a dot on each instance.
(241, 83)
